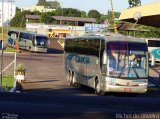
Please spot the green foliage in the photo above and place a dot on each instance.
(18, 9)
(36, 12)
(69, 12)
(42, 3)
(110, 18)
(83, 14)
(94, 14)
(9, 49)
(20, 69)
(19, 19)
(50, 4)
(73, 12)
(8, 82)
(143, 32)
(134, 3)
(46, 18)
(54, 5)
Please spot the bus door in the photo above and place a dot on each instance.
(81, 60)
(92, 62)
(12, 37)
(22, 40)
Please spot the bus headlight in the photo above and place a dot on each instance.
(111, 83)
(143, 84)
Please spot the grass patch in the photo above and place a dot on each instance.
(8, 82)
(9, 49)
(61, 41)
(5, 36)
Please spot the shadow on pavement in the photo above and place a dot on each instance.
(54, 51)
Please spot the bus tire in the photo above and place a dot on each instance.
(73, 81)
(67, 75)
(97, 89)
(70, 78)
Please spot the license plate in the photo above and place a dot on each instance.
(127, 90)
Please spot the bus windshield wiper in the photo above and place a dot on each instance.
(135, 72)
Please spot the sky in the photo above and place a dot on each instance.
(85, 5)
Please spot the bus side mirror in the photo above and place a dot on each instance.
(104, 57)
(48, 43)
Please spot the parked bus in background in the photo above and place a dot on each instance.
(154, 49)
(106, 63)
(28, 40)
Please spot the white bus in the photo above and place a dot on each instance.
(154, 49)
(105, 63)
(28, 40)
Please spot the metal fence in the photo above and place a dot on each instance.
(7, 64)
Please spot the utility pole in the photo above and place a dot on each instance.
(2, 45)
(9, 11)
(113, 16)
(61, 14)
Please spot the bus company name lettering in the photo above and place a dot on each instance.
(82, 59)
(79, 59)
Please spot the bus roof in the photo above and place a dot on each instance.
(110, 37)
(30, 32)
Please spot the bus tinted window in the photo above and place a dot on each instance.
(83, 46)
(127, 46)
(153, 43)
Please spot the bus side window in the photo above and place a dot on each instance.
(103, 66)
(33, 40)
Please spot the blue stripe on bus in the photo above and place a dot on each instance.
(156, 53)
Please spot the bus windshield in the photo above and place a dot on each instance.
(127, 60)
(41, 41)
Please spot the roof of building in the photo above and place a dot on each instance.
(74, 19)
(33, 16)
(64, 18)
(150, 14)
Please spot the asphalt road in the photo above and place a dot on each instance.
(48, 95)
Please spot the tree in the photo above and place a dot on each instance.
(134, 3)
(54, 5)
(19, 19)
(42, 3)
(94, 14)
(46, 18)
(69, 12)
(18, 9)
(83, 14)
(73, 12)
(103, 18)
(50, 4)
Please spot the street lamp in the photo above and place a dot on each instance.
(137, 16)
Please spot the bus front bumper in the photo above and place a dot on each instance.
(126, 89)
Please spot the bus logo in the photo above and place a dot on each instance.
(156, 53)
(79, 59)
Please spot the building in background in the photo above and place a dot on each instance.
(61, 30)
(9, 11)
(38, 8)
(55, 31)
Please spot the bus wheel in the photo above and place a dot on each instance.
(97, 89)
(73, 81)
(70, 79)
(67, 76)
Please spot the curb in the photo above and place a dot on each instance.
(2, 89)
(153, 89)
